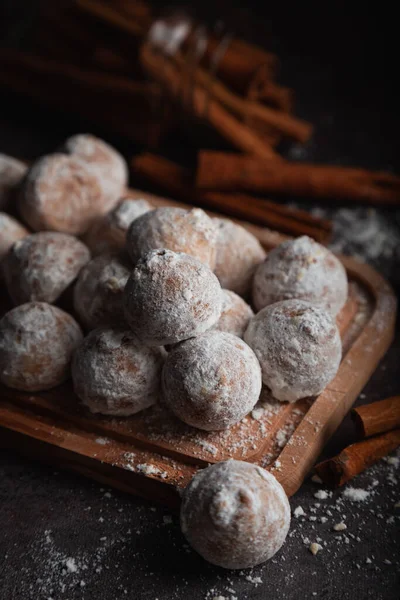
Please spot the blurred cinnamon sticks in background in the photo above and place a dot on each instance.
(120, 66)
(222, 171)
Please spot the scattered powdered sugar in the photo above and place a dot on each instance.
(321, 495)
(208, 447)
(364, 233)
(102, 441)
(299, 512)
(356, 494)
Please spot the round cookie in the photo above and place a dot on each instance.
(302, 269)
(114, 375)
(177, 229)
(171, 297)
(298, 346)
(105, 162)
(12, 172)
(60, 194)
(108, 233)
(235, 314)
(42, 265)
(37, 341)
(235, 514)
(211, 381)
(10, 231)
(238, 254)
(98, 292)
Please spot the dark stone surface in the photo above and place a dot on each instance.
(64, 537)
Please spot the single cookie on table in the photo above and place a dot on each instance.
(12, 172)
(114, 375)
(108, 233)
(235, 314)
(10, 232)
(42, 265)
(177, 229)
(60, 194)
(298, 346)
(238, 254)
(302, 269)
(212, 381)
(37, 341)
(98, 292)
(235, 514)
(170, 297)
(104, 161)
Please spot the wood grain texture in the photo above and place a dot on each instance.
(154, 455)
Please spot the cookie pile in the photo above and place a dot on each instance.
(159, 303)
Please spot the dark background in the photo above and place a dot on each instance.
(342, 62)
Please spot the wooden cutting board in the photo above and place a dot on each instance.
(154, 455)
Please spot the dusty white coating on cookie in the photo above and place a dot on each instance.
(60, 194)
(235, 314)
(303, 269)
(10, 231)
(42, 265)
(105, 162)
(211, 381)
(98, 291)
(235, 514)
(108, 233)
(114, 375)
(37, 341)
(12, 171)
(238, 254)
(170, 297)
(298, 346)
(177, 229)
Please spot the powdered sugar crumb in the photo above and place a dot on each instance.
(356, 494)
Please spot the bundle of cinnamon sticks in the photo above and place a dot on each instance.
(119, 65)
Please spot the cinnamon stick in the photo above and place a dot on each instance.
(239, 64)
(203, 104)
(121, 104)
(377, 417)
(356, 458)
(263, 88)
(177, 182)
(281, 122)
(137, 24)
(236, 67)
(221, 171)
